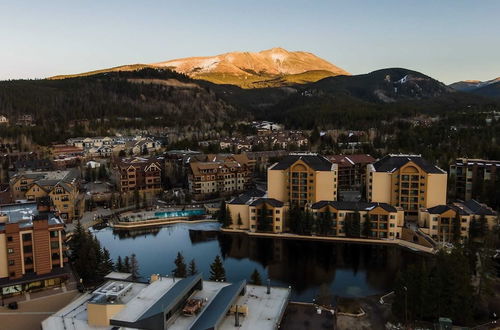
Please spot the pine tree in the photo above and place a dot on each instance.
(367, 227)
(106, 265)
(192, 268)
(180, 266)
(222, 212)
(457, 234)
(240, 222)
(228, 220)
(255, 278)
(134, 267)
(126, 265)
(119, 264)
(217, 271)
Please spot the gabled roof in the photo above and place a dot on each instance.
(353, 206)
(470, 207)
(247, 196)
(316, 162)
(390, 163)
(271, 201)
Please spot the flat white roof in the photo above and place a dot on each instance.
(264, 310)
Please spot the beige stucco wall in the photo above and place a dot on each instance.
(99, 315)
(3, 256)
(242, 209)
(381, 187)
(325, 186)
(436, 189)
(276, 185)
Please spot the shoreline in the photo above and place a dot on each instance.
(141, 224)
(408, 245)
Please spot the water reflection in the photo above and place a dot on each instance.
(348, 269)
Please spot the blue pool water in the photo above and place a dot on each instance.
(175, 214)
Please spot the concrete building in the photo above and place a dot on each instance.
(472, 176)
(167, 303)
(302, 178)
(407, 181)
(222, 174)
(386, 220)
(439, 221)
(61, 186)
(32, 250)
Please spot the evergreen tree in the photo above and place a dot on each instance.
(119, 265)
(137, 199)
(192, 268)
(217, 271)
(356, 224)
(134, 267)
(106, 265)
(255, 278)
(228, 219)
(126, 265)
(180, 266)
(367, 227)
(483, 226)
(240, 222)
(221, 215)
(457, 234)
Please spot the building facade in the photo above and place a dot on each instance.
(385, 221)
(441, 221)
(32, 250)
(62, 187)
(220, 175)
(473, 176)
(407, 181)
(351, 170)
(302, 179)
(138, 174)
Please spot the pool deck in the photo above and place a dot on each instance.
(405, 244)
(156, 222)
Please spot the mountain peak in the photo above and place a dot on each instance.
(255, 69)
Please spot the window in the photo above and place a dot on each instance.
(26, 237)
(9, 238)
(392, 225)
(10, 250)
(12, 274)
(54, 233)
(54, 245)
(28, 249)
(11, 262)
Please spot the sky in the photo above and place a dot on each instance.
(449, 40)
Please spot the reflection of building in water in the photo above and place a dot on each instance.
(262, 250)
(198, 236)
(131, 233)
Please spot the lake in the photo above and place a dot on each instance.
(347, 269)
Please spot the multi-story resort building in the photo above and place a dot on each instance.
(472, 175)
(173, 303)
(222, 174)
(440, 221)
(302, 179)
(32, 250)
(352, 170)
(138, 174)
(407, 181)
(385, 221)
(61, 186)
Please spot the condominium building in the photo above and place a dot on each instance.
(302, 178)
(138, 174)
(352, 170)
(32, 251)
(61, 186)
(439, 221)
(254, 212)
(223, 174)
(472, 175)
(407, 181)
(386, 221)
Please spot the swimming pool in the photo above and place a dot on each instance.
(177, 214)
